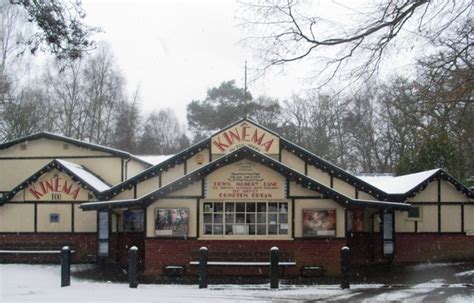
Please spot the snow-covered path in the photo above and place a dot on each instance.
(41, 283)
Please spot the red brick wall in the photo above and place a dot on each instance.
(305, 252)
(84, 245)
(429, 247)
(123, 241)
(359, 243)
(412, 248)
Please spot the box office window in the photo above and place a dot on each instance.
(133, 220)
(245, 219)
(414, 213)
(54, 218)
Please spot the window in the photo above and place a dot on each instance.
(245, 218)
(54, 218)
(414, 213)
(133, 220)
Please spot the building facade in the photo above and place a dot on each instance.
(239, 193)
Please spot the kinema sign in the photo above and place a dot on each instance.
(54, 187)
(244, 134)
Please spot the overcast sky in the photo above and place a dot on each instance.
(175, 50)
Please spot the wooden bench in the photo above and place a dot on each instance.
(32, 248)
(174, 270)
(228, 258)
(312, 271)
(30, 252)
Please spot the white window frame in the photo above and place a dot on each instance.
(203, 225)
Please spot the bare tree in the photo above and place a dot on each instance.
(285, 31)
(104, 90)
(66, 89)
(162, 134)
(13, 28)
(127, 124)
(30, 113)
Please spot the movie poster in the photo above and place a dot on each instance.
(171, 221)
(319, 222)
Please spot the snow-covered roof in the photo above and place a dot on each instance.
(88, 177)
(248, 153)
(83, 144)
(400, 184)
(154, 159)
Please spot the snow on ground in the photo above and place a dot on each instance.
(425, 266)
(465, 273)
(41, 283)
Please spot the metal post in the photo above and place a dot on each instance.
(65, 266)
(132, 267)
(203, 254)
(274, 270)
(345, 267)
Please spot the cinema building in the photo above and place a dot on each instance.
(239, 193)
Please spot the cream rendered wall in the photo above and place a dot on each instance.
(147, 186)
(172, 203)
(429, 194)
(132, 168)
(289, 159)
(126, 194)
(318, 203)
(429, 219)
(449, 193)
(48, 148)
(319, 175)
(84, 221)
(64, 224)
(365, 196)
(16, 171)
(402, 223)
(297, 190)
(450, 218)
(108, 169)
(17, 218)
(20, 169)
(194, 189)
(19, 196)
(344, 188)
(469, 218)
(191, 163)
(172, 174)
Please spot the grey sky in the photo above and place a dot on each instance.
(176, 50)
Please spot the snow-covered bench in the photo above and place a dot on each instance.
(244, 259)
(30, 252)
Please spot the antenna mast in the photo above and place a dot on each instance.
(245, 91)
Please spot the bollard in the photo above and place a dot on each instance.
(203, 254)
(345, 267)
(65, 266)
(274, 270)
(132, 267)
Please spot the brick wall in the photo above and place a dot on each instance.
(84, 245)
(305, 252)
(431, 247)
(412, 248)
